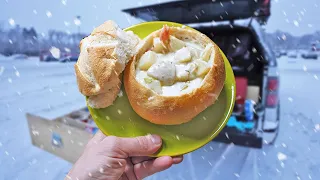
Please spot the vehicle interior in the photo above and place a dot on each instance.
(244, 56)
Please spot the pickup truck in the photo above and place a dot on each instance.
(236, 27)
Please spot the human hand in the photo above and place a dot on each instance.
(113, 158)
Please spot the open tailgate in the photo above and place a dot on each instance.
(191, 11)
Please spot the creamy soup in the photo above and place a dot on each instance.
(175, 68)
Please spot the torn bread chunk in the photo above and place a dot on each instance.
(103, 57)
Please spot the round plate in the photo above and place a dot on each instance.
(121, 120)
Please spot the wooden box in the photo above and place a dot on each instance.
(65, 136)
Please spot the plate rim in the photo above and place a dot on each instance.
(222, 125)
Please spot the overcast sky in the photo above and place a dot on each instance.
(295, 16)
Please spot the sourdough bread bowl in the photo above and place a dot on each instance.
(175, 75)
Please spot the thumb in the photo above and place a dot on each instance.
(137, 146)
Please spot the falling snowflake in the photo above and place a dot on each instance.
(227, 135)
(9, 80)
(120, 94)
(77, 22)
(284, 37)
(309, 176)
(55, 52)
(281, 156)
(211, 148)
(290, 99)
(120, 163)
(107, 117)
(49, 14)
(250, 67)
(94, 6)
(0, 144)
(67, 49)
(64, 94)
(119, 111)
(64, 2)
(284, 145)
(35, 11)
(11, 22)
(316, 77)
(317, 127)
(254, 50)
(66, 23)
(282, 164)
(89, 174)
(178, 137)
(202, 157)
(296, 23)
(1, 70)
(304, 68)
(264, 153)
(17, 73)
(237, 175)
(284, 13)
(10, 41)
(45, 171)
(6, 152)
(101, 170)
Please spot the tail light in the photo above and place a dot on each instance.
(273, 84)
(272, 92)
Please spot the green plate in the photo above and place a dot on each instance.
(122, 121)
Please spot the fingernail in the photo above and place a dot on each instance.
(155, 139)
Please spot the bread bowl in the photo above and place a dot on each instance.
(175, 75)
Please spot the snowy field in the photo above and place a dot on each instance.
(50, 89)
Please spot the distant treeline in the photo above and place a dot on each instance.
(20, 40)
(284, 40)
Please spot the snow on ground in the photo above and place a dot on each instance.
(50, 89)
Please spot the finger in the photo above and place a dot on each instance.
(139, 159)
(147, 168)
(177, 159)
(97, 138)
(129, 169)
(127, 147)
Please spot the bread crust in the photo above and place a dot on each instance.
(173, 110)
(103, 56)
